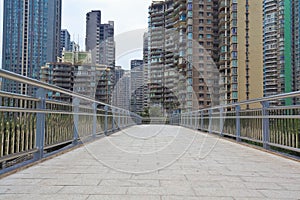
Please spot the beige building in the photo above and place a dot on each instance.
(241, 50)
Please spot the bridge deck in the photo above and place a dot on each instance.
(158, 162)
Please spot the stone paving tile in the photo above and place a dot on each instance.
(42, 197)
(70, 182)
(180, 164)
(92, 190)
(32, 189)
(220, 192)
(130, 183)
(195, 198)
(282, 194)
(290, 186)
(180, 190)
(124, 197)
(19, 181)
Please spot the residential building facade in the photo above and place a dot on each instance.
(61, 75)
(100, 39)
(281, 48)
(137, 86)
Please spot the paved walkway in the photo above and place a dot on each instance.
(158, 162)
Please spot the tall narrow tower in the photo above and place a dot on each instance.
(92, 40)
(100, 39)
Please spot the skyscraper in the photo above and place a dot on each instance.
(121, 93)
(65, 41)
(281, 47)
(240, 49)
(162, 76)
(137, 86)
(146, 69)
(107, 44)
(116, 95)
(202, 53)
(31, 37)
(182, 54)
(92, 39)
(100, 39)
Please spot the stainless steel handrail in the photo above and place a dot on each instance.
(26, 80)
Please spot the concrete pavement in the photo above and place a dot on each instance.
(158, 162)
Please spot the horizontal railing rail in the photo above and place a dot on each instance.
(275, 128)
(34, 127)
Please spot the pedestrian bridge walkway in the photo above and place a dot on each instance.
(158, 162)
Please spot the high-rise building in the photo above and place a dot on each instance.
(241, 50)
(74, 46)
(146, 69)
(296, 44)
(281, 47)
(203, 53)
(92, 39)
(182, 54)
(59, 74)
(137, 86)
(77, 73)
(122, 93)
(107, 44)
(116, 95)
(100, 39)
(161, 56)
(65, 41)
(202, 47)
(31, 37)
(105, 79)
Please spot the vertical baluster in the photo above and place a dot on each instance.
(12, 137)
(2, 128)
(31, 130)
(7, 138)
(22, 145)
(27, 129)
(18, 134)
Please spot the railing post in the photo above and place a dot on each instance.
(221, 121)
(190, 120)
(265, 124)
(94, 119)
(238, 123)
(119, 119)
(113, 119)
(127, 119)
(40, 124)
(105, 119)
(202, 121)
(210, 121)
(76, 102)
(196, 120)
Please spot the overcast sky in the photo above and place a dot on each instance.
(128, 15)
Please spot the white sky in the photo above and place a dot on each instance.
(128, 15)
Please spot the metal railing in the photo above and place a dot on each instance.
(272, 127)
(32, 128)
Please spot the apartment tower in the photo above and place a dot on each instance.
(137, 86)
(100, 39)
(241, 50)
(281, 47)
